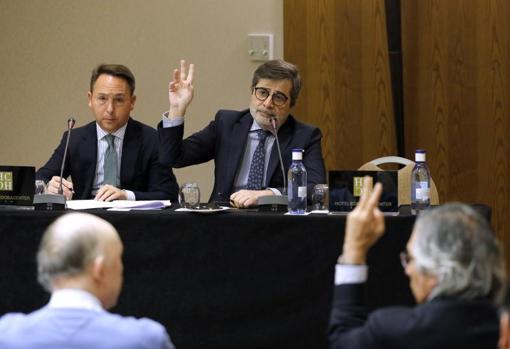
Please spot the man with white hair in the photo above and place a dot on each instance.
(80, 263)
(456, 271)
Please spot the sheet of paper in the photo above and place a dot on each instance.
(295, 214)
(119, 204)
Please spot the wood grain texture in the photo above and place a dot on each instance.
(456, 64)
(493, 113)
(456, 89)
(341, 50)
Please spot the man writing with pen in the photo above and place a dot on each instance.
(115, 157)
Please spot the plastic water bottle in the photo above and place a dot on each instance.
(297, 183)
(420, 183)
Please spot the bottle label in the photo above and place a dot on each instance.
(422, 191)
(301, 192)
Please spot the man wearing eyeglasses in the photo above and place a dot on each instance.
(455, 267)
(115, 157)
(242, 143)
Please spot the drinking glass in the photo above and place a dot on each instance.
(320, 197)
(189, 196)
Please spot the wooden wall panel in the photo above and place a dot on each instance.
(493, 112)
(456, 64)
(341, 50)
(456, 89)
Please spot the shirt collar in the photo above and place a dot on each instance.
(74, 298)
(254, 127)
(119, 133)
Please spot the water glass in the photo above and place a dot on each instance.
(40, 187)
(189, 196)
(320, 197)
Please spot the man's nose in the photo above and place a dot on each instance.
(110, 106)
(269, 101)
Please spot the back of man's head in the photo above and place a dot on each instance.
(457, 246)
(70, 245)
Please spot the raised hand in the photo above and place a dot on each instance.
(180, 90)
(365, 225)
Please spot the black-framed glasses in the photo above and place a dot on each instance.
(278, 98)
(405, 259)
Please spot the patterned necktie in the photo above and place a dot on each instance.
(256, 174)
(110, 162)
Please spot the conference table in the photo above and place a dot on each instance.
(236, 279)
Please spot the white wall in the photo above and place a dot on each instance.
(49, 48)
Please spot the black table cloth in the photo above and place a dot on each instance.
(237, 279)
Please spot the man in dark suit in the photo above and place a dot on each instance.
(234, 138)
(80, 262)
(456, 271)
(114, 157)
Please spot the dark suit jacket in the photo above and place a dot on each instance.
(437, 324)
(224, 140)
(140, 170)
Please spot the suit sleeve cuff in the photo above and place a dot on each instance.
(350, 274)
(172, 122)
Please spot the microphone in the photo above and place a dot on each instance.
(275, 203)
(275, 133)
(70, 125)
(54, 202)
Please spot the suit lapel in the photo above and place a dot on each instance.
(237, 145)
(89, 142)
(130, 148)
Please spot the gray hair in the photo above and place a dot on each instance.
(457, 245)
(278, 69)
(68, 246)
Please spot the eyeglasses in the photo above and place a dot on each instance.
(405, 259)
(277, 98)
(118, 101)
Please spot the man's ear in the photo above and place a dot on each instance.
(133, 101)
(504, 331)
(89, 99)
(98, 268)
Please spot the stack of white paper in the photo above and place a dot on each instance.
(118, 204)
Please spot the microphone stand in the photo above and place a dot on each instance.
(275, 203)
(56, 202)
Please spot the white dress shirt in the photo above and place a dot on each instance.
(74, 298)
(350, 274)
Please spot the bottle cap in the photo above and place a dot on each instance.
(420, 155)
(297, 154)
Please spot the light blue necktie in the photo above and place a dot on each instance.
(256, 174)
(110, 162)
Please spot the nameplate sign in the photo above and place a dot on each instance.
(345, 189)
(17, 185)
